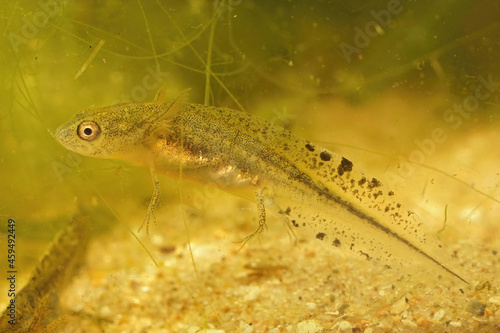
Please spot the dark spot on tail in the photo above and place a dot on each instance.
(325, 156)
(336, 242)
(344, 166)
(309, 147)
(320, 235)
(374, 183)
(366, 255)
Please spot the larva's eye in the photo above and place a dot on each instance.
(88, 130)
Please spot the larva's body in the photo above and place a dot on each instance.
(308, 186)
(37, 303)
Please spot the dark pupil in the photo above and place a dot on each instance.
(87, 131)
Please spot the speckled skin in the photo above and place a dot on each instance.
(311, 188)
(37, 304)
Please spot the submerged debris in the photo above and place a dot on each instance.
(476, 307)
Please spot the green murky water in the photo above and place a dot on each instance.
(407, 89)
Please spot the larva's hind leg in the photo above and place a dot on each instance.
(262, 218)
(262, 203)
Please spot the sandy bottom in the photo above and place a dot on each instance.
(275, 286)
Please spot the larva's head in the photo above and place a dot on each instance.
(108, 132)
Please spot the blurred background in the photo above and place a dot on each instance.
(410, 90)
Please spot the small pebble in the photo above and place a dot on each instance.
(409, 323)
(157, 240)
(495, 300)
(250, 329)
(308, 326)
(400, 306)
(345, 327)
(105, 311)
(439, 315)
(455, 324)
(311, 306)
(252, 293)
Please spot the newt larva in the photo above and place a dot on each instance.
(309, 187)
(37, 304)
